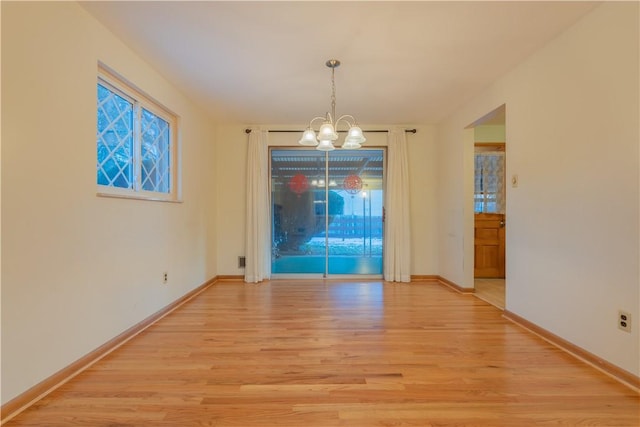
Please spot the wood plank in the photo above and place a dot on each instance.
(325, 353)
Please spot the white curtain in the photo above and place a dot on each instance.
(258, 241)
(397, 246)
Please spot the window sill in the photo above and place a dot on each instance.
(137, 197)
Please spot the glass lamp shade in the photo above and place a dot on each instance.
(350, 145)
(327, 132)
(355, 135)
(308, 138)
(325, 145)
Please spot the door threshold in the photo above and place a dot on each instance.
(355, 277)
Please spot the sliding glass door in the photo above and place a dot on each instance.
(298, 220)
(327, 212)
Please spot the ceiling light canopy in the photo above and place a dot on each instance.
(327, 133)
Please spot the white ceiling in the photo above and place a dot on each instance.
(402, 62)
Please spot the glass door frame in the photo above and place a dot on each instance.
(325, 274)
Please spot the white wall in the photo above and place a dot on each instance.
(573, 232)
(231, 171)
(489, 133)
(79, 269)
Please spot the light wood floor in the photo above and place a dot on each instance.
(491, 290)
(316, 353)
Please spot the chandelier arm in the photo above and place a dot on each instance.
(329, 118)
(345, 118)
(316, 118)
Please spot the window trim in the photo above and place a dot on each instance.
(122, 87)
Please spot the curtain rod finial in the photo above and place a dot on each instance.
(247, 130)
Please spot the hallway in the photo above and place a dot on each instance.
(492, 291)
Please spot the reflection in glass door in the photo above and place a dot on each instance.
(327, 212)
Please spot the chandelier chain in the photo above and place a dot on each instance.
(333, 94)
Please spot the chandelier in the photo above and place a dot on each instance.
(327, 133)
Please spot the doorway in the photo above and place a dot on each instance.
(489, 200)
(327, 212)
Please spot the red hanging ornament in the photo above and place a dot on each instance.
(352, 184)
(298, 184)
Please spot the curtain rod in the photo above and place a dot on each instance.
(298, 131)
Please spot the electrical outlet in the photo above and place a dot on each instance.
(624, 321)
(165, 277)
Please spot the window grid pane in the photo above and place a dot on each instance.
(114, 139)
(489, 183)
(155, 153)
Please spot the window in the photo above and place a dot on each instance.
(489, 191)
(136, 143)
(327, 210)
